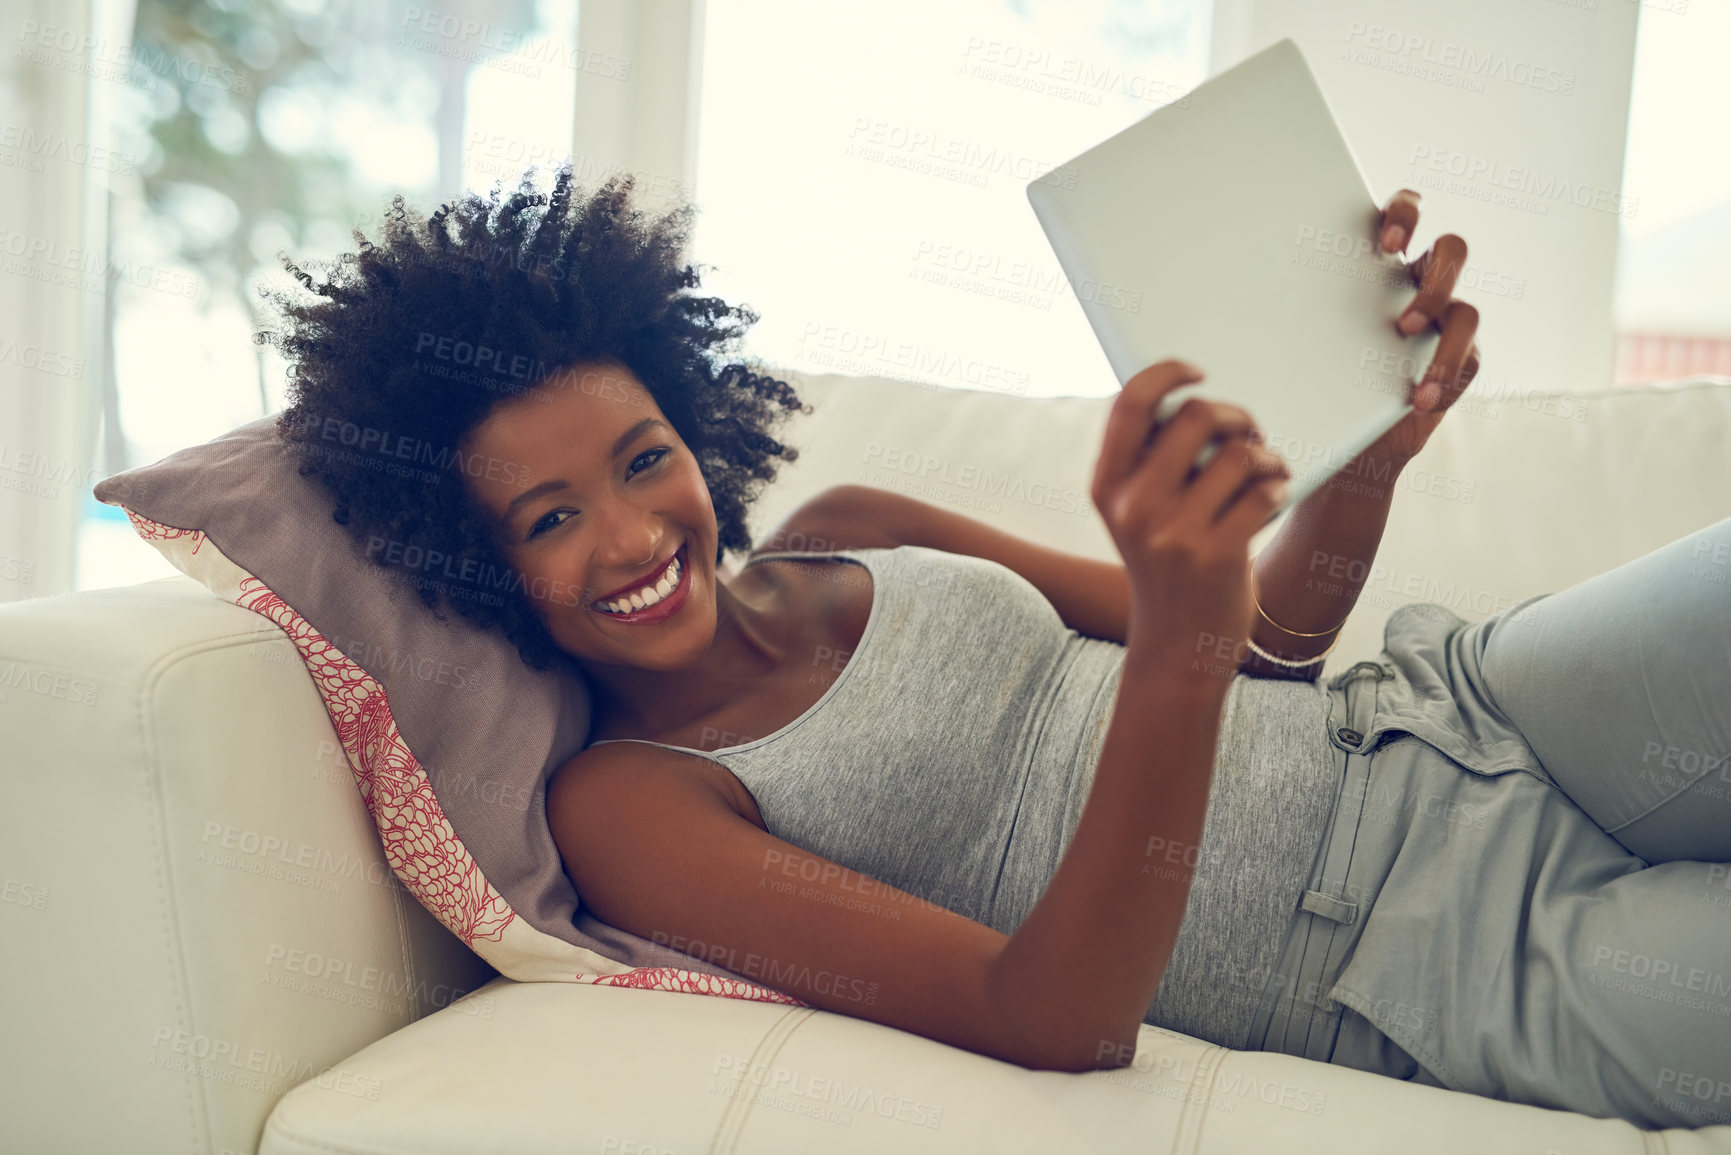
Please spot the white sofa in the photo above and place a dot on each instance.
(202, 949)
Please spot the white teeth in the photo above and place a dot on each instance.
(648, 595)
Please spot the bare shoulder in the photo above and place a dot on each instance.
(637, 773)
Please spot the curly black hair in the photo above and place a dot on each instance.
(411, 341)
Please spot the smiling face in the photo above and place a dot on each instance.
(613, 529)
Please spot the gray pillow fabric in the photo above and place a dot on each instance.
(487, 730)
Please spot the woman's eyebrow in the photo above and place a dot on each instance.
(636, 431)
(535, 491)
(554, 483)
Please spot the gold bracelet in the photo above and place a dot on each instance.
(1282, 628)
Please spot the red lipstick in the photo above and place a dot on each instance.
(661, 610)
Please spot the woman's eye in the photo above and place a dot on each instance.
(546, 522)
(648, 459)
(655, 455)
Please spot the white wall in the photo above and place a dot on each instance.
(638, 93)
(52, 211)
(1423, 83)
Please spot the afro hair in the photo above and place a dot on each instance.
(410, 342)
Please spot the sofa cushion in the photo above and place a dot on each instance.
(1520, 491)
(196, 912)
(683, 1076)
(450, 735)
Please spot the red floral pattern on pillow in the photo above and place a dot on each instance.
(420, 844)
(155, 531)
(692, 982)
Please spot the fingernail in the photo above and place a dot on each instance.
(1394, 238)
(1428, 396)
(1411, 322)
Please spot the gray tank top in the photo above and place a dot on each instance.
(952, 755)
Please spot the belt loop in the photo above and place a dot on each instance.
(1329, 907)
(1296, 1016)
(1351, 720)
(1360, 702)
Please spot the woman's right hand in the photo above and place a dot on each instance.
(1184, 534)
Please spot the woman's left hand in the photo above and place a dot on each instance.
(1456, 362)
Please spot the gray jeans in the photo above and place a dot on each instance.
(1524, 891)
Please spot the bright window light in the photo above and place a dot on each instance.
(862, 175)
(1673, 297)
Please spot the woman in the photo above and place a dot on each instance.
(925, 773)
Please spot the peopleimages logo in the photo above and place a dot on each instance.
(481, 356)
(1007, 486)
(48, 683)
(1528, 189)
(1465, 61)
(771, 1081)
(381, 443)
(88, 270)
(41, 359)
(468, 573)
(128, 63)
(58, 146)
(1669, 972)
(871, 139)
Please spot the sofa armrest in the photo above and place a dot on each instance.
(185, 934)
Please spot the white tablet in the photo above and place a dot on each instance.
(1234, 230)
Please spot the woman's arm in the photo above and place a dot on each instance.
(1311, 571)
(1310, 576)
(657, 851)
(666, 854)
(1110, 915)
(1091, 596)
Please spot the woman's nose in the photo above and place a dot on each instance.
(631, 543)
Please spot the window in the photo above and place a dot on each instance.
(283, 126)
(880, 224)
(861, 175)
(1673, 297)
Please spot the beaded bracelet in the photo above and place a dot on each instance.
(1287, 663)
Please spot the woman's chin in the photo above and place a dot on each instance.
(671, 644)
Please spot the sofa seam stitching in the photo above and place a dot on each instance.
(198, 1102)
(738, 1110)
